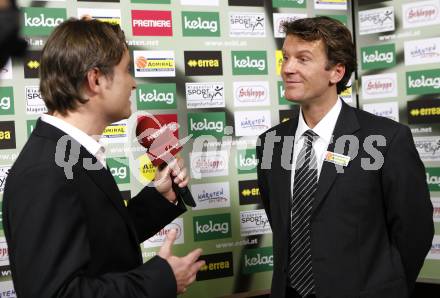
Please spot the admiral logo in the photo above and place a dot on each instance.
(377, 57)
(34, 102)
(423, 111)
(428, 147)
(115, 132)
(246, 2)
(200, 23)
(41, 21)
(434, 252)
(250, 94)
(151, 23)
(209, 164)
(249, 62)
(205, 95)
(249, 192)
(251, 123)
(423, 82)
(158, 239)
(254, 222)
(211, 195)
(32, 64)
(376, 20)
(421, 13)
(436, 207)
(247, 24)
(111, 16)
(200, 3)
(247, 161)
(216, 266)
(206, 123)
(379, 86)
(156, 96)
(387, 109)
(422, 51)
(214, 226)
(289, 3)
(6, 101)
(154, 64)
(6, 71)
(4, 172)
(331, 4)
(203, 63)
(257, 260)
(286, 115)
(280, 18)
(119, 169)
(7, 135)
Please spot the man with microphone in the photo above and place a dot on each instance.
(69, 233)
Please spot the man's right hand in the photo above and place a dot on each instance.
(184, 268)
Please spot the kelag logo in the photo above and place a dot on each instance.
(247, 161)
(32, 64)
(119, 169)
(290, 3)
(216, 266)
(156, 96)
(200, 124)
(249, 63)
(281, 97)
(423, 82)
(6, 101)
(377, 57)
(246, 2)
(257, 260)
(41, 21)
(152, 23)
(433, 178)
(423, 111)
(30, 125)
(214, 226)
(203, 63)
(249, 192)
(196, 23)
(7, 135)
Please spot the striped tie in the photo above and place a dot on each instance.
(305, 185)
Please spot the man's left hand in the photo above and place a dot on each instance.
(176, 171)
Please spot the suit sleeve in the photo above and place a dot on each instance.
(408, 205)
(262, 179)
(49, 249)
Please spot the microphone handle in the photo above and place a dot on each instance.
(185, 194)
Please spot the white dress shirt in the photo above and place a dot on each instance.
(324, 130)
(91, 145)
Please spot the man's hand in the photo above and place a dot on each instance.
(5, 4)
(174, 170)
(184, 268)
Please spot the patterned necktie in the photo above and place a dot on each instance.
(305, 185)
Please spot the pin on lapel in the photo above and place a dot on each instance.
(337, 159)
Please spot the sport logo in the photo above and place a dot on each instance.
(154, 64)
(206, 123)
(34, 102)
(6, 101)
(428, 147)
(249, 94)
(254, 222)
(376, 20)
(156, 96)
(422, 13)
(41, 21)
(211, 227)
(249, 62)
(200, 23)
(152, 23)
(205, 95)
(379, 86)
(378, 57)
(247, 24)
(423, 82)
(203, 63)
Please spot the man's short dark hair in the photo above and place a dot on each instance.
(74, 48)
(336, 38)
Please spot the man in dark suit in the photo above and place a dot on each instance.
(69, 232)
(345, 188)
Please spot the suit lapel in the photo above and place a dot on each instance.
(347, 124)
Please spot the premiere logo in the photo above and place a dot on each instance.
(203, 63)
(216, 266)
(152, 23)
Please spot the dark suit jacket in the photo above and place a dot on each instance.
(370, 229)
(74, 237)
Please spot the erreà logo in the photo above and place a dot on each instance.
(216, 266)
(249, 62)
(152, 23)
(257, 260)
(32, 64)
(206, 124)
(7, 135)
(156, 96)
(377, 57)
(247, 161)
(209, 227)
(203, 63)
(423, 82)
(249, 192)
(41, 21)
(200, 23)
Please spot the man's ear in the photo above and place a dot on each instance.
(337, 73)
(92, 82)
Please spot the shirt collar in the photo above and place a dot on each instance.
(89, 143)
(324, 128)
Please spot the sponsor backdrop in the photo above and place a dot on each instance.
(398, 55)
(210, 69)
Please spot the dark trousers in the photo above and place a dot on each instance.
(291, 293)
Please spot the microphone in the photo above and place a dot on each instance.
(162, 145)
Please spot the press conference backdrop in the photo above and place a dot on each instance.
(212, 66)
